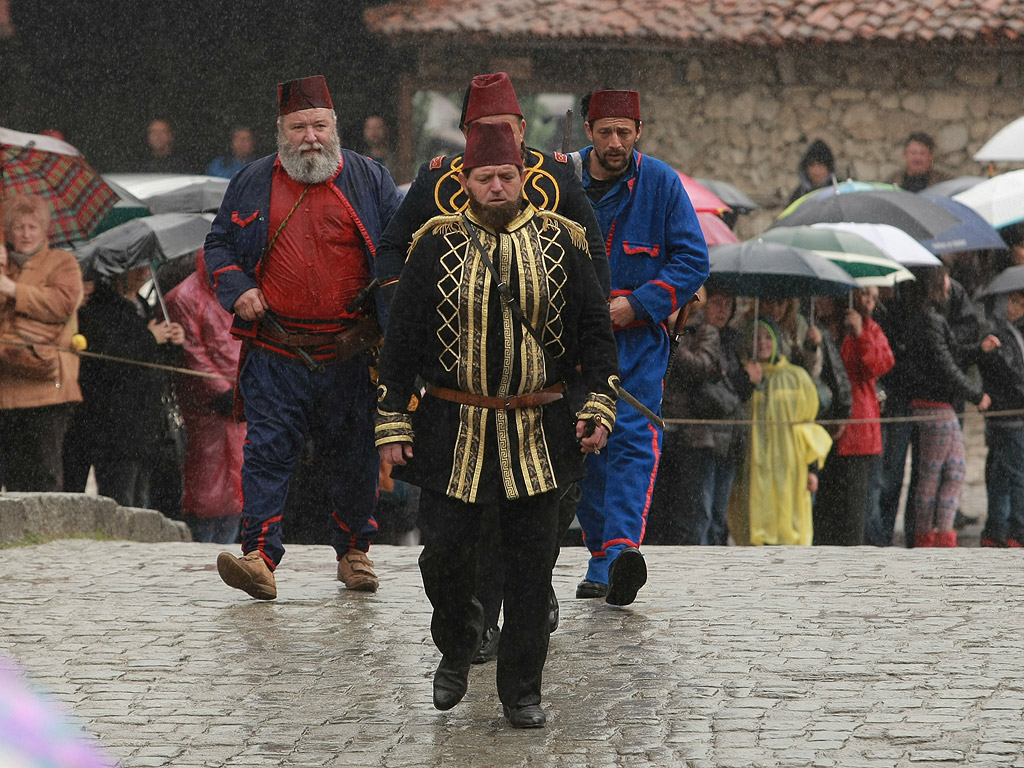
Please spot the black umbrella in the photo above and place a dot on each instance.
(776, 271)
(144, 242)
(730, 195)
(951, 187)
(1009, 280)
(916, 215)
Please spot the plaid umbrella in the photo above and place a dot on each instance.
(39, 165)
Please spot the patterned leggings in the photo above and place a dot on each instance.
(940, 469)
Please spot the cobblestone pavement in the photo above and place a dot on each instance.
(730, 657)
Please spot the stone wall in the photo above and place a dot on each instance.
(746, 115)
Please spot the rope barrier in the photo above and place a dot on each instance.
(837, 422)
(668, 420)
(122, 360)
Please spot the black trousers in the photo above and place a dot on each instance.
(30, 447)
(450, 531)
(840, 510)
(490, 571)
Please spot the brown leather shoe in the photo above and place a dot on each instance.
(355, 569)
(249, 573)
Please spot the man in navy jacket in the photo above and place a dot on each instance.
(290, 251)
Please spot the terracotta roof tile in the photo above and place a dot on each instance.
(671, 23)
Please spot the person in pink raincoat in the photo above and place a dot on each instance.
(212, 503)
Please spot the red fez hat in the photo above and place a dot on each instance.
(491, 144)
(614, 104)
(490, 95)
(304, 93)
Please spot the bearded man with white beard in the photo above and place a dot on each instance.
(290, 249)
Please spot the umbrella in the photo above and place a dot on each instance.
(836, 188)
(973, 233)
(951, 187)
(863, 260)
(776, 271)
(734, 198)
(54, 170)
(145, 242)
(702, 198)
(1007, 144)
(716, 231)
(127, 207)
(894, 242)
(1009, 280)
(999, 200)
(173, 193)
(918, 216)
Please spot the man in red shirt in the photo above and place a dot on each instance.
(290, 249)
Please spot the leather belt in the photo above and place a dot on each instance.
(529, 400)
(300, 339)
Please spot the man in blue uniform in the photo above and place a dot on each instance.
(658, 260)
(290, 249)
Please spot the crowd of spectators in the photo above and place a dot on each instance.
(742, 460)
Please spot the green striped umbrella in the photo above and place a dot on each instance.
(863, 260)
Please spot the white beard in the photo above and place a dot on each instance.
(314, 168)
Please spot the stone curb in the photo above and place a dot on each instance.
(28, 516)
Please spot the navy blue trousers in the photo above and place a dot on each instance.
(285, 404)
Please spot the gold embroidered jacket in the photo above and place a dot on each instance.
(449, 326)
(550, 185)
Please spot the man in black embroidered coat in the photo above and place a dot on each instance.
(495, 427)
(551, 184)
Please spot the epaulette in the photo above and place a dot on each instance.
(559, 157)
(437, 162)
(577, 233)
(439, 225)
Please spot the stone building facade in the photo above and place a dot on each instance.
(730, 104)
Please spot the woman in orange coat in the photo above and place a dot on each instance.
(41, 288)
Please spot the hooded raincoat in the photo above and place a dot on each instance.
(770, 502)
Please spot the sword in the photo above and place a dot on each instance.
(567, 133)
(274, 325)
(646, 412)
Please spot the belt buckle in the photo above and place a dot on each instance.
(508, 403)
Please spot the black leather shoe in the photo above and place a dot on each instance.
(552, 612)
(450, 683)
(627, 574)
(530, 716)
(587, 589)
(489, 648)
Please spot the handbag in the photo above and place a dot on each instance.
(713, 399)
(28, 347)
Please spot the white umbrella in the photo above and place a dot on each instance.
(172, 192)
(1007, 144)
(897, 244)
(999, 200)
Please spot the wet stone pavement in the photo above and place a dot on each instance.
(730, 657)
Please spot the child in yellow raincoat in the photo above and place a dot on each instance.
(771, 499)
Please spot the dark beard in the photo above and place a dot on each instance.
(496, 217)
(315, 168)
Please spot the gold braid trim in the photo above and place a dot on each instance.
(392, 427)
(577, 233)
(439, 225)
(599, 407)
